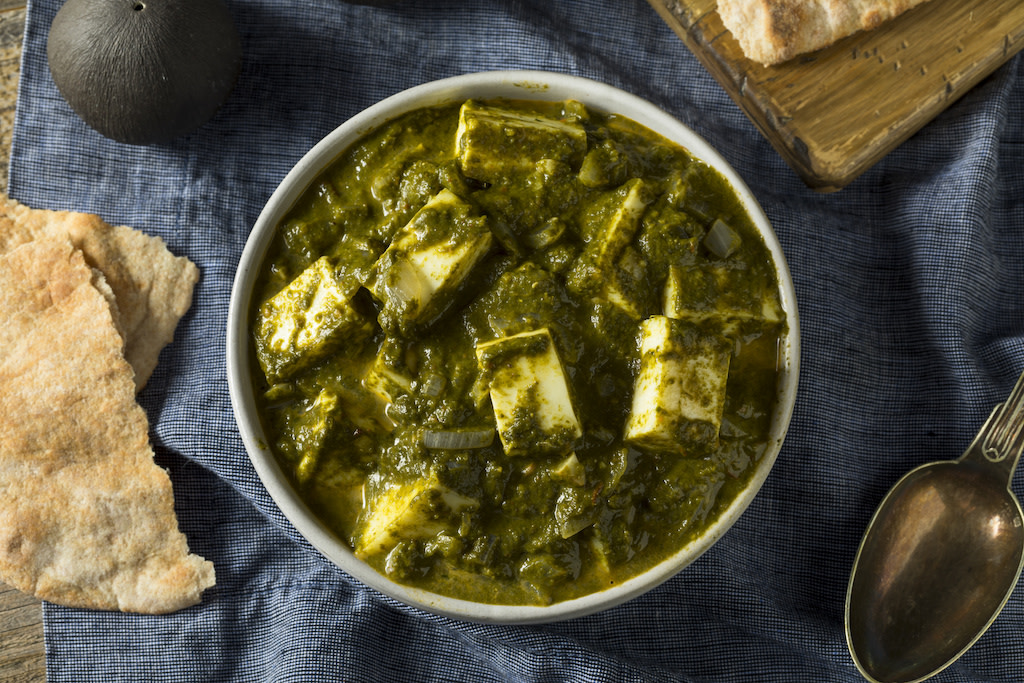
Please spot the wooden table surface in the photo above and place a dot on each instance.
(22, 656)
(834, 113)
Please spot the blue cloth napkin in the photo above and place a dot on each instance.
(911, 291)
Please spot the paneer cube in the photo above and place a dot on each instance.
(429, 258)
(601, 566)
(308, 319)
(532, 404)
(312, 431)
(715, 291)
(609, 268)
(493, 144)
(679, 393)
(399, 512)
(388, 377)
(570, 470)
(625, 285)
(631, 202)
(615, 292)
(337, 493)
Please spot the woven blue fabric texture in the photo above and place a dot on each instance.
(910, 284)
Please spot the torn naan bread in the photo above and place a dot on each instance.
(152, 286)
(86, 516)
(773, 31)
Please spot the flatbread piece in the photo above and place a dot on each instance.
(773, 31)
(152, 287)
(86, 516)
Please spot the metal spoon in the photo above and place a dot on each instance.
(940, 557)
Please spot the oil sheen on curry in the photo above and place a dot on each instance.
(517, 352)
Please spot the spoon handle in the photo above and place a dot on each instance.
(1001, 440)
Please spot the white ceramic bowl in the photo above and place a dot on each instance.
(508, 84)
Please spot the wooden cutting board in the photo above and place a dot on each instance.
(834, 113)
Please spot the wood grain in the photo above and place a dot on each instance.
(835, 113)
(12, 26)
(22, 651)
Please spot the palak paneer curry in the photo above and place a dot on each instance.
(517, 351)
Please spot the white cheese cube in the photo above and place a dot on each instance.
(679, 393)
(570, 470)
(713, 291)
(306, 320)
(317, 422)
(493, 143)
(386, 379)
(609, 268)
(624, 285)
(428, 259)
(418, 510)
(623, 223)
(529, 393)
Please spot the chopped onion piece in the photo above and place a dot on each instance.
(721, 239)
(399, 292)
(729, 429)
(549, 232)
(458, 439)
(433, 385)
(571, 470)
(573, 526)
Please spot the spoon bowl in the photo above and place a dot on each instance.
(940, 557)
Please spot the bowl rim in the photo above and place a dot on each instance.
(526, 84)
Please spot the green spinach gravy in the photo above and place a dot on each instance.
(517, 352)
